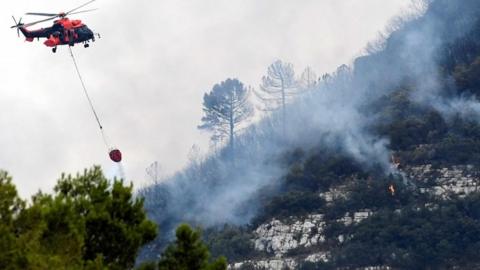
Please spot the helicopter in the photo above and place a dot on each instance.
(63, 31)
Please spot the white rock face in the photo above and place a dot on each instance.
(278, 238)
(356, 217)
(281, 264)
(317, 257)
(460, 180)
(274, 264)
(334, 194)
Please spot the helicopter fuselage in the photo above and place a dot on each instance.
(63, 32)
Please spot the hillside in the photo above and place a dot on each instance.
(379, 168)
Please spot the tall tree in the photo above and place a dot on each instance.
(10, 206)
(88, 223)
(277, 87)
(115, 223)
(189, 253)
(226, 107)
(308, 79)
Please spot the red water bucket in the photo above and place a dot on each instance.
(115, 155)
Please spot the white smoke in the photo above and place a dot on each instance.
(338, 115)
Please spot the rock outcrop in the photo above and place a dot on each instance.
(459, 180)
(281, 238)
(277, 237)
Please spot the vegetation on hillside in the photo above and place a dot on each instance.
(408, 230)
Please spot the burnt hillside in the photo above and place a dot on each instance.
(380, 166)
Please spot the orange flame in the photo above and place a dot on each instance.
(391, 188)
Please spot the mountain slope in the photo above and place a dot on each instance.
(321, 196)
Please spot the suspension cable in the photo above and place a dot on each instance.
(88, 98)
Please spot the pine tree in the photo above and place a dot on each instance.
(308, 79)
(88, 223)
(189, 253)
(10, 206)
(226, 107)
(277, 87)
(115, 223)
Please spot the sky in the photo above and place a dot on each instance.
(148, 72)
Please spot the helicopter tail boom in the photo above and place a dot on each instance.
(21, 27)
(27, 34)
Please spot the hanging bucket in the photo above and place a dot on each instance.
(115, 155)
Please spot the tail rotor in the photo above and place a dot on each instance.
(17, 25)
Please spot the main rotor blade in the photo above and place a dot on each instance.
(77, 8)
(41, 14)
(45, 20)
(83, 11)
(55, 15)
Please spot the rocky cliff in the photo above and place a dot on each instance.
(291, 242)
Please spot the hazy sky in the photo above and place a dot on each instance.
(149, 71)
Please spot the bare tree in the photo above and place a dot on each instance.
(226, 107)
(308, 79)
(277, 87)
(343, 75)
(154, 172)
(415, 10)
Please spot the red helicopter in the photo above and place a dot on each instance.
(63, 32)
